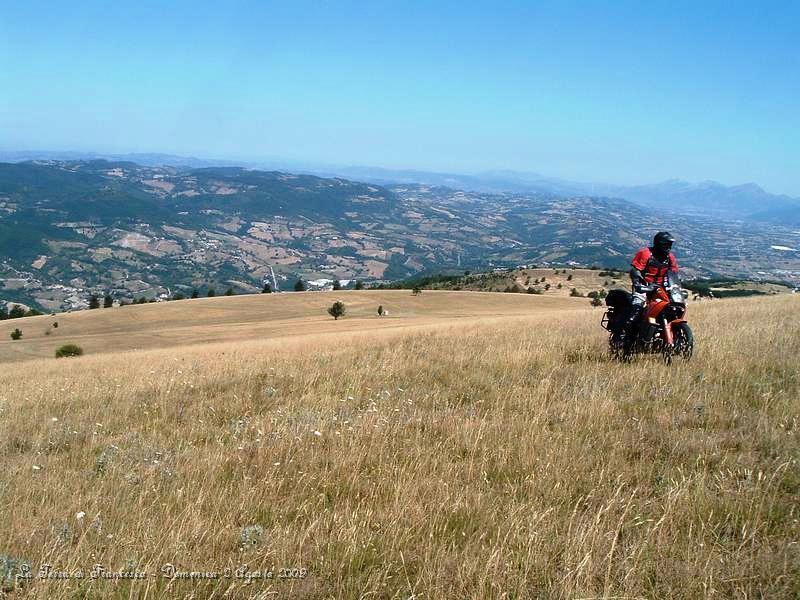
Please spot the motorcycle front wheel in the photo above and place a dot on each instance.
(684, 341)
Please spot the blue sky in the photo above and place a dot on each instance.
(621, 92)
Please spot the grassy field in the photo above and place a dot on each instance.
(257, 317)
(496, 454)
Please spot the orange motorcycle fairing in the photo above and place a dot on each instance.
(654, 308)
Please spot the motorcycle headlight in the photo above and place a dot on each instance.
(676, 295)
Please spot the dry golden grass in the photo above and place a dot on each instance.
(462, 460)
(259, 316)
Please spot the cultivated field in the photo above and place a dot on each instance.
(499, 454)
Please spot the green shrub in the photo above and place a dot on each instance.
(16, 334)
(69, 350)
(337, 309)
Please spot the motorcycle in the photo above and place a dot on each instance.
(661, 329)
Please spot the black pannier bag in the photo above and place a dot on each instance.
(619, 299)
(619, 306)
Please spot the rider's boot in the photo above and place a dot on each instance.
(629, 331)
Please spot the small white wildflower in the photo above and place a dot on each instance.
(350, 398)
(37, 468)
(317, 433)
(277, 464)
(54, 419)
(79, 515)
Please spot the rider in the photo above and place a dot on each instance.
(650, 265)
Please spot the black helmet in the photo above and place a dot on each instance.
(662, 242)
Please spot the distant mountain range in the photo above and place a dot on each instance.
(69, 228)
(741, 202)
(747, 202)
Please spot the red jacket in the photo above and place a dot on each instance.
(654, 270)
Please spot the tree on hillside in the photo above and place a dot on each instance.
(575, 293)
(195, 293)
(16, 334)
(16, 312)
(596, 301)
(212, 292)
(94, 301)
(359, 284)
(416, 291)
(179, 296)
(336, 310)
(267, 289)
(569, 277)
(229, 292)
(3, 313)
(380, 310)
(300, 286)
(108, 301)
(337, 285)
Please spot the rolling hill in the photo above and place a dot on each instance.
(272, 317)
(72, 228)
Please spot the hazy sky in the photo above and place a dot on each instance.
(622, 92)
